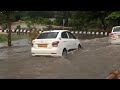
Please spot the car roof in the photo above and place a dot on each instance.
(55, 31)
(116, 26)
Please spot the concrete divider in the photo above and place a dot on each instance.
(26, 31)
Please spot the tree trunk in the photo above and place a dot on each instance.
(9, 28)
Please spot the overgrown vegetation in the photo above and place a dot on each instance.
(4, 37)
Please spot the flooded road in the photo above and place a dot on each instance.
(95, 61)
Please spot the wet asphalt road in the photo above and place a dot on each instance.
(95, 61)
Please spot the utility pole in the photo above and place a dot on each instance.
(9, 28)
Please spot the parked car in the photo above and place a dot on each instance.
(114, 36)
(55, 43)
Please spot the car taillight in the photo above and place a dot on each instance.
(110, 34)
(33, 43)
(113, 35)
(55, 43)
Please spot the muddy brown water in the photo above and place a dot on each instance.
(95, 61)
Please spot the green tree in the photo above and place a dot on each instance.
(60, 15)
(114, 18)
(101, 17)
(8, 20)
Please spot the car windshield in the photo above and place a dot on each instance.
(117, 29)
(47, 35)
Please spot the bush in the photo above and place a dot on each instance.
(46, 21)
(3, 38)
(18, 27)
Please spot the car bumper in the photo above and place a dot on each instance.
(45, 52)
(114, 41)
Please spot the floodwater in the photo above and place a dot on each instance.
(95, 60)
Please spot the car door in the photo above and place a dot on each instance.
(72, 38)
(65, 40)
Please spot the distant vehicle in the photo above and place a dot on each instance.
(114, 36)
(54, 43)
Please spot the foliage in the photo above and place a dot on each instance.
(77, 19)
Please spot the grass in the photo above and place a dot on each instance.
(17, 37)
(3, 37)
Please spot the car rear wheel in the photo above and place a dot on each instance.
(64, 53)
(79, 47)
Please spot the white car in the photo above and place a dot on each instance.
(114, 36)
(54, 43)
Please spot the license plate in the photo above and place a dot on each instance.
(42, 45)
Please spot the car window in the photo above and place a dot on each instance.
(47, 35)
(71, 35)
(117, 29)
(64, 35)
